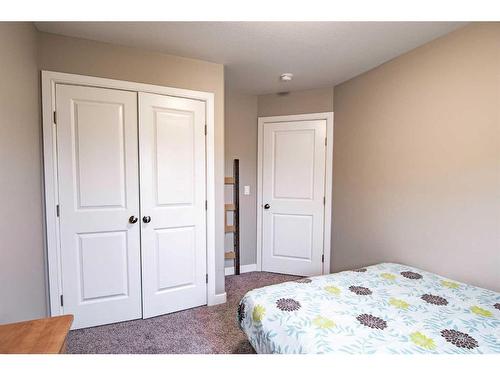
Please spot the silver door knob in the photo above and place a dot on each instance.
(132, 219)
(146, 219)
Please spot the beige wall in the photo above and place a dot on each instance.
(296, 102)
(416, 160)
(241, 143)
(22, 268)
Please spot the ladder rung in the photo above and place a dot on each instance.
(229, 229)
(229, 255)
(229, 207)
(229, 180)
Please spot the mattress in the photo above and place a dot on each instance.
(385, 308)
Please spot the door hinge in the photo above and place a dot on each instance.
(55, 118)
(62, 300)
(326, 140)
(322, 258)
(324, 201)
(206, 278)
(57, 210)
(206, 205)
(205, 129)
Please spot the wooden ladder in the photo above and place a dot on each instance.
(235, 209)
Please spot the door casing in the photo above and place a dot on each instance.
(53, 256)
(262, 121)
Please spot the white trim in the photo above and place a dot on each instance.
(243, 269)
(219, 298)
(328, 116)
(49, 81)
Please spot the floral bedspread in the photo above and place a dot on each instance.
(385, 308)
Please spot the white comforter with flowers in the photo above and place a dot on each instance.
(385, 308)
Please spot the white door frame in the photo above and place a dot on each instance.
(49, 81)
(262, 121)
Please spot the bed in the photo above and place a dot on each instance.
(385, 308)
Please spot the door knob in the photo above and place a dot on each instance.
(146, 219)
(267, 206)
(132, 219)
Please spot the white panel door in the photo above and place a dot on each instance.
(98, 194)
(172, 154)
(293, 189)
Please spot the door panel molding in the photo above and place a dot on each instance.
(327, 221)
(49, 81)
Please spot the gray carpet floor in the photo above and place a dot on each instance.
(205, 329)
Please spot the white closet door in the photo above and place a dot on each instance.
(293, 191)
(172, 154)
(98, 193)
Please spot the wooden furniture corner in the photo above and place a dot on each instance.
(40, 336)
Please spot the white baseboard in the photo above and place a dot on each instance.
(217, 299)
(243, 269)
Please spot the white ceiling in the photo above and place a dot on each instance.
(319, 54)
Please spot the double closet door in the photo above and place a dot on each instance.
(132, 219)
